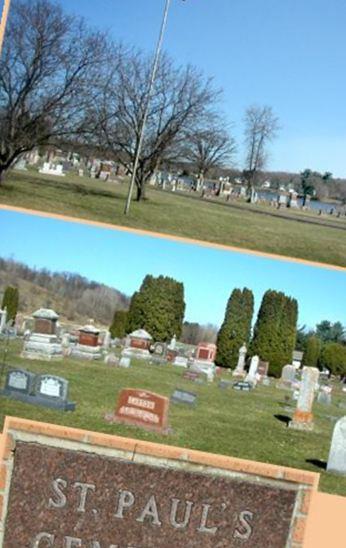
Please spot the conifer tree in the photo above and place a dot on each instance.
(236, 327)
(275, 330)
(119, 323)
(158, 307)
(312, 352)
(10, 301)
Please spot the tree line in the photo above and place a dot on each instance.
(74, 295)
(63, 83)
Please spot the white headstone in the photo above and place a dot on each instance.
(3, 319)
(50, 387)
(251, 376)
(125, 362)
(337, 453)
(241, 359)
(107, 340)
(303, 418)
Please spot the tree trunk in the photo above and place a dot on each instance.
(2, 175)
(141, 192)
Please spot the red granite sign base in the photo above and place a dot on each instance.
(142, 408)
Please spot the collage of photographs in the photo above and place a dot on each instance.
(172, 274)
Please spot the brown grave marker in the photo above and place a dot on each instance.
(142, 408)
(99, 491)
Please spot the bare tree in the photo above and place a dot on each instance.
(208, 148)
(261, 126)
(49, 63)
(181, 99)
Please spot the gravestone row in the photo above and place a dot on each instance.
(45, 390)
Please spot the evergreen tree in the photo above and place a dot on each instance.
(333, 356)
(312, 352)
(236, 327)
(119, 323)
(158, 307)
(275, 330)
(10, 301)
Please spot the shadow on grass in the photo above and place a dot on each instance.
(283, 418)
(318, 463)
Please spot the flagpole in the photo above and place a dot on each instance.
(147, 103)
(3, 21)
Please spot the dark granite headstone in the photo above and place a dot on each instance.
(243, 385)
(182, 396)
(45, 390)
(19, 380)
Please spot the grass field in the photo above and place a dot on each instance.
(223, 421)
(257, 227)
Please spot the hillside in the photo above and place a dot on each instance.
(73, 297)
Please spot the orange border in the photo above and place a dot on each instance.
(3, 21)
(170, 237)
(306, 482)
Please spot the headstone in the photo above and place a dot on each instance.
(111, 359)
(65, 340)
(3, 319)
(87, 347)
(324, 397)
(142, 408)
(192, 376)
(239, 370)
(251, 376)
(66, 487)
(21, 165)
(43, 343)
(125, 362)
(288, 376)
(206, 352)
(19, 380)
(337, 454)
(44, 390)
(243, 385)
(263, 368)
(107, 340)
(182, 396)
(303, 417)
(160, 349)
(173, 343)
(180, 361)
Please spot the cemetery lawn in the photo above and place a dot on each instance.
(226, 422)
(298, 234)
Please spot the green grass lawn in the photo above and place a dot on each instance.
(227, 422)
(256, 227)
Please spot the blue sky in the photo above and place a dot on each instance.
(122, 259)
(288, 54)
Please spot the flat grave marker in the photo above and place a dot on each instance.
(99, 491)
(183, 396)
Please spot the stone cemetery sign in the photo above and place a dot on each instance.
(141, 408)
(45, 390)
(99, 491)
(182, 396)
(337, 453)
